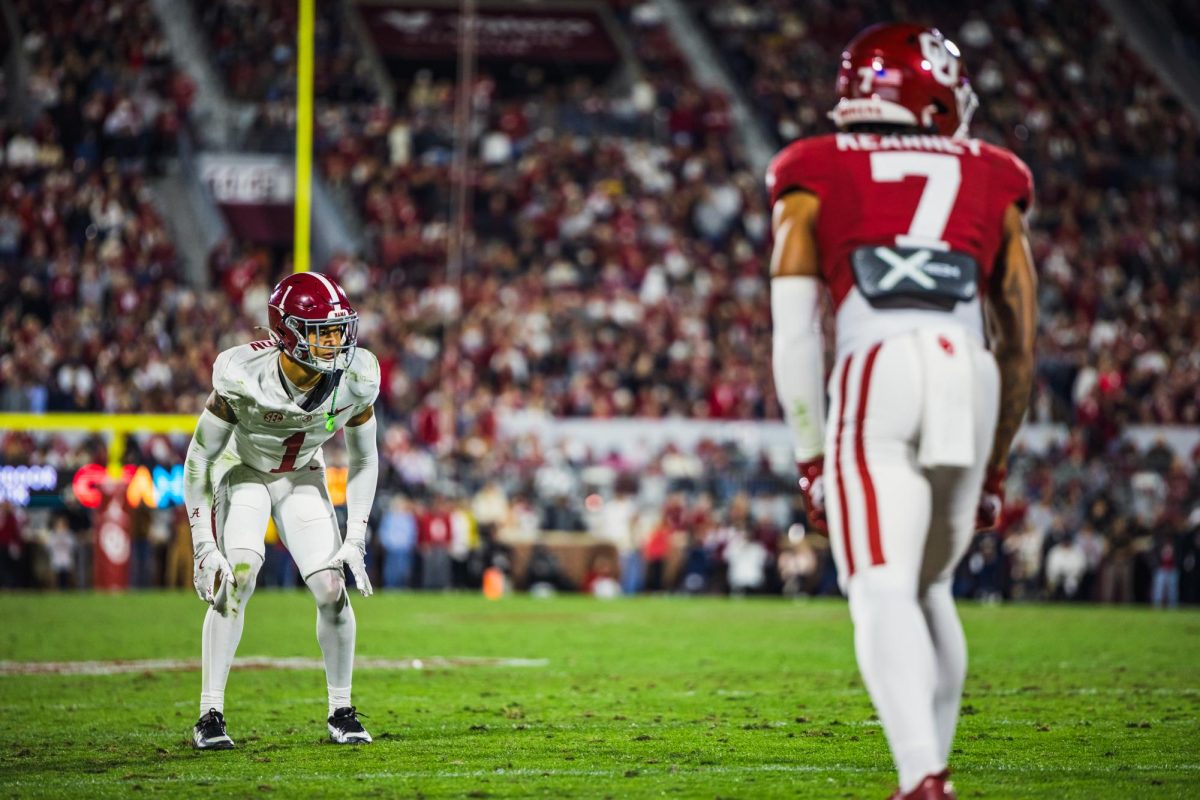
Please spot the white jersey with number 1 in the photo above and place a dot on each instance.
(273, 434)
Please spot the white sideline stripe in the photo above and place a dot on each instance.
(535, 772)
(121, 667)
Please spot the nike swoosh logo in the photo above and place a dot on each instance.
(340, 410)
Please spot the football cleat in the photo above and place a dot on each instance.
(209, 733)
(932, 787)
(344, 727)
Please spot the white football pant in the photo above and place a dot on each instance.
(897, 529)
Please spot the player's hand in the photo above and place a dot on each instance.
(812, 489)
(211, 569)
(991, 500)
(352, 554)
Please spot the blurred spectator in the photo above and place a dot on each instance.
(544, 574)
(398, 537)
(60, 545)
(655, 553)
(433, 536)
(1066, 565)
(601, 580)
(1165, 589)
(1093, 546)
(617, 522)
(747, 560)
(12, 547)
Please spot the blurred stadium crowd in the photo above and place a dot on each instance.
(617, 269)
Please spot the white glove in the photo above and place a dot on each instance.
(211, 570)
(351, 554)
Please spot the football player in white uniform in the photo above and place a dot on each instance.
(255, 455)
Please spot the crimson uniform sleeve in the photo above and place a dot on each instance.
(1012, 180)
(800, 165)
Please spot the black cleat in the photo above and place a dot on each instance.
(209, 733)
(344, 727)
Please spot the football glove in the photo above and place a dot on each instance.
(351, 554)
(991, 500)
(812, 490)
(210, 570)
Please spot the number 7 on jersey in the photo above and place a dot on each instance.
(942, 174)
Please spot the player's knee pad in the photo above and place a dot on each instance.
(328, 588)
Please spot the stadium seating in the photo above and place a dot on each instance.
(617, 267)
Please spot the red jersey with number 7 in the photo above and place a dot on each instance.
(909, 224)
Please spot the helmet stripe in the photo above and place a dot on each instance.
(333, 295)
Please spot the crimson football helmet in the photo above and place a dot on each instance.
(904, 74)
(309, 312)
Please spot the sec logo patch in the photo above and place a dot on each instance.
(273, 416)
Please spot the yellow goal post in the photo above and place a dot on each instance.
(118, 426)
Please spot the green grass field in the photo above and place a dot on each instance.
(636, 698)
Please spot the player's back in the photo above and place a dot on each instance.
(909, 225)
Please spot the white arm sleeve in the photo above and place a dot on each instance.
(208, 442)
(798, 359)
(361, 479)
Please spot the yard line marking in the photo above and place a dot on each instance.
(123, 666)
(535, 772)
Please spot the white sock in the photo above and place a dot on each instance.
(895, 656)
(214, 699)
(950, 652)
(222, 632)
(338, 698)
(336, 629)
(218, 644)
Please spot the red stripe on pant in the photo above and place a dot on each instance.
(843, 516)
(860, 456)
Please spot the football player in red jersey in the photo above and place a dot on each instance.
(919, 235)
(256, 455)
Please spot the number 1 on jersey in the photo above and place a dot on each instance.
(942, 174)
(291, 449)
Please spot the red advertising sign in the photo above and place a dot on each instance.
(112, 542)
(427, 31)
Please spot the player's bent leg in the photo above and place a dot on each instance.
(243, 505)
(221, 634)
(309, 529)
(336, 629)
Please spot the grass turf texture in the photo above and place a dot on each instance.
(650, 697)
